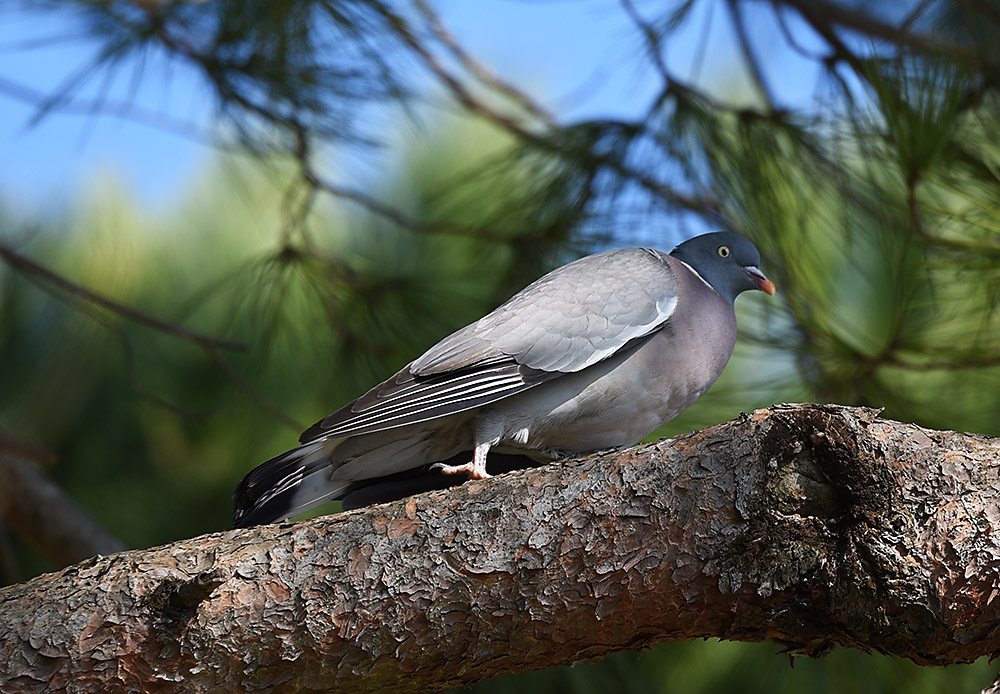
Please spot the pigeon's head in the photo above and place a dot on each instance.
(726, 261)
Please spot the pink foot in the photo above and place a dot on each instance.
(469, 469)
(475, 468)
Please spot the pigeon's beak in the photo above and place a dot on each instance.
(757, 277)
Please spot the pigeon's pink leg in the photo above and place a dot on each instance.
(475, 469)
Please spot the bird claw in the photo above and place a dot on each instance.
(468, 468)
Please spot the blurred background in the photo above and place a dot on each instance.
(221, 221)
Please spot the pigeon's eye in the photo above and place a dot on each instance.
(724, 251)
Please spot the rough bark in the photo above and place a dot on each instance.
(804, 525)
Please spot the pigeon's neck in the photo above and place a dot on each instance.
(718, 287)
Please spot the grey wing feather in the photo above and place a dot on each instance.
(568, 320)
(407, 399)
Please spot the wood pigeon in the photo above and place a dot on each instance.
(594, 355)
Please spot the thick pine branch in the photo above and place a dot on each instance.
(804, 525)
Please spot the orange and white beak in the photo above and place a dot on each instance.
(757, 277)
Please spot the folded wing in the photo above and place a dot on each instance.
(572, 318)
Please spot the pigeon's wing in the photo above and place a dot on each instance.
(571, 318)
(408, 399)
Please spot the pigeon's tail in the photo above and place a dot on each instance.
(285, 485)
(300, 479)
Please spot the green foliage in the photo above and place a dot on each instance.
(717, 667)
(880, 232)
(152, 432)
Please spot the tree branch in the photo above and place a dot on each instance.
(54, 281)
(476, 69)
(803, 525)
(833, 15)
(48, 519)
(116, 109)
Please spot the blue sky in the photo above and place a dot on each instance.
(577, 56)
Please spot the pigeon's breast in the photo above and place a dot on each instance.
(620, 400)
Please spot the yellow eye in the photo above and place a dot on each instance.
(724, 251)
